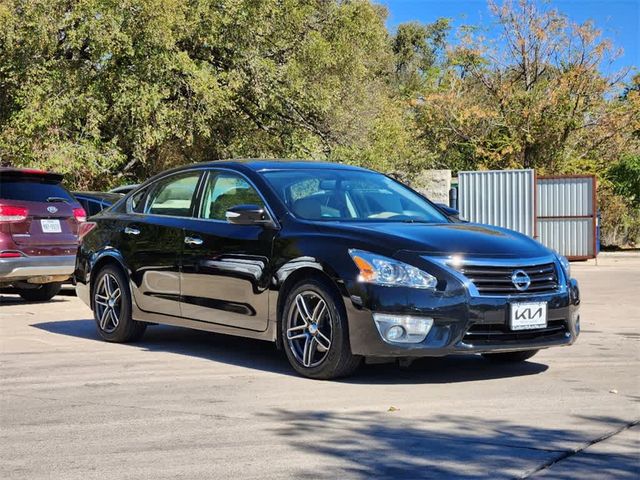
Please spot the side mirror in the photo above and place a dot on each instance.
(248, 215)
(452, 213)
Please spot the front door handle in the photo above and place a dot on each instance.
(193, 241)
(131, 231)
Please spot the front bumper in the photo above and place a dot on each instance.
(462, 324)
(23, 268)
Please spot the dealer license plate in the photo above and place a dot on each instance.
(528, 315)
(50, 226)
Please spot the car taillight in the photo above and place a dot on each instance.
(80, 214)
(11, 213)
(10, 254)
(85, 228)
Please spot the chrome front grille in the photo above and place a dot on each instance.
(497, 280)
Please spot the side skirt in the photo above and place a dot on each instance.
(268, 335)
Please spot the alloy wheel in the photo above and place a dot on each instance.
(309, 332)
(108, 303)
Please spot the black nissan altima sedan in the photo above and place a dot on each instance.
(334, 263)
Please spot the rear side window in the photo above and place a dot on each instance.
(174, 196)
(33, 190)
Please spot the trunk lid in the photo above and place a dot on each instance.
(46, 224)
(50, 219)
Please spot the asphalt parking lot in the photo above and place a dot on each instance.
(184, 404)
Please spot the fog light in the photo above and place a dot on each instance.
(402, 328)
(395, 333)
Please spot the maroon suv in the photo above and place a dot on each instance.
(39, 226)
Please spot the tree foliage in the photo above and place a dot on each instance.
(130, 87)
(532, 97)
(112, 91)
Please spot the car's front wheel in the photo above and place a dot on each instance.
(315, 332)
(510, 357)
(112, 307)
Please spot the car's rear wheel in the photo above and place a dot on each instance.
(42, 293)
(112, 307)
(510, 357)
(315, 332)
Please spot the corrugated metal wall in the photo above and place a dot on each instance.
(566, 214)
(498, 197)
(565, 196)
(571, 237)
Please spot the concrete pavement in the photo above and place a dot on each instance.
(185, 404)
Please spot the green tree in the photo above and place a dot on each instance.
(102, 89)
(625, 177)
(533, 96)
(418, 53)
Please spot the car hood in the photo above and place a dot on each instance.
(465, 239)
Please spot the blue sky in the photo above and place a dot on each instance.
(618, 19)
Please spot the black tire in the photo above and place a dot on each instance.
(333, 362)
(510, 357)
(126, 329)
(43, 293)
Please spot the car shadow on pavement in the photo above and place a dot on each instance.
(385, 445)
(6, 300)
(227, 349)
(450, 369)
(9, 296)
(264, 356)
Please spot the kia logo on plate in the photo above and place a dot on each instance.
(52, 209)
(520, 280)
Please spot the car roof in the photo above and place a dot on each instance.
(244, 165)
(258, 164)
(104, 196)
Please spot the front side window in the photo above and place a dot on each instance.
(173, 196)
(350, 195)
(225, 190)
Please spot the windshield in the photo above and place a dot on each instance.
(348, 195)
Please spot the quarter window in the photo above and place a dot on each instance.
(174, 196)
(226, 190)
(138, 201)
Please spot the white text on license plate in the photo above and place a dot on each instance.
(528, 315)
(50, 226)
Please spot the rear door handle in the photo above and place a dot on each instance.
(131, 231)
(193, 241)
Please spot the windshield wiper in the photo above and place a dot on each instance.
(413, 220)
(57, 199)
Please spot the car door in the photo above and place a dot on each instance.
(153, 238)
(226, 267)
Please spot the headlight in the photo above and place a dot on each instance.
(565, 265)
(385, 271)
